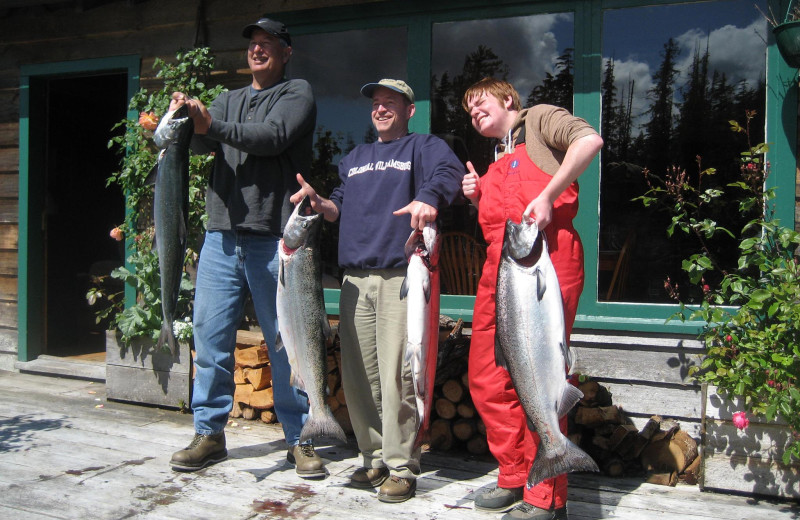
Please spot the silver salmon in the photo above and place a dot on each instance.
(531, 344)
(420, 290)
(302, 320)
(171, 212)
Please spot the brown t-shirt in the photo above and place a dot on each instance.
(549, 130)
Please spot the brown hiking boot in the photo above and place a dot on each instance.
(364, 478)
(397, 489)
(202, 451)
(306, 461)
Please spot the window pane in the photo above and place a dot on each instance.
(337, 65)
(669, 90)
(533, 53)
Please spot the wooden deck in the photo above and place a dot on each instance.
(68, 453)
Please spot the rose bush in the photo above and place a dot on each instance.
(139, 156)
(752, 318)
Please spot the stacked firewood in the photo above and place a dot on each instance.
(336, 399)
(253, 397)
(660, 451)
(252, 374)
(454, 422)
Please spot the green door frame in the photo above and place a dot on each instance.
(31, 321)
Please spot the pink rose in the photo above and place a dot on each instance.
(116, 234)
(740, 420)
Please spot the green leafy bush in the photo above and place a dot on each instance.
(187, 74)
(752, 331)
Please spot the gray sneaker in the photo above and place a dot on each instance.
(498, 499)
(526, 511)
(306, 461)
(202, 451)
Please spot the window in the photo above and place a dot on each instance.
(669, 90)
(611, 52)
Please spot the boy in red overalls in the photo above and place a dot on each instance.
(542, 152)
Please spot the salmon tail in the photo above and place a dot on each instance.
(569, 398)
(324, 426)
(167, 337)
(573, 459)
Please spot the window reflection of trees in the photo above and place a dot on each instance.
(685, 128)
(684, 125)
(449, 120)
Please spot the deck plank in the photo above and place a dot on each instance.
(62, 457)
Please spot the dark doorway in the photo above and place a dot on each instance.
(80, 210)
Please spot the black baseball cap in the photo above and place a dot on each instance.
(272, 27)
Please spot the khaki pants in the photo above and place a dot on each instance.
(377, 384)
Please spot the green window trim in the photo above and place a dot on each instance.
(419, 17)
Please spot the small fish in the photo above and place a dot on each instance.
(302, 320)
(420, 290)
(530, 342)
(171, 212)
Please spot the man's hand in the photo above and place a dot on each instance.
(420, 212)
(319, 204)
(197, 111)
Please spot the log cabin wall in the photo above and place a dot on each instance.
(48, 31)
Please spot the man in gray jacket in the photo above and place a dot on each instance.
(262, 136)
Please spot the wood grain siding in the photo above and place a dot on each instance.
(647, 375)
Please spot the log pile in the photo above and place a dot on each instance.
(660, 451)
(455, 425)
(253, 397)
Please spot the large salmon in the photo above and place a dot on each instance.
(171, 212)
(531, 343)
(302, 320)
(420, 290)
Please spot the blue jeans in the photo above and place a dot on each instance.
(231, 265)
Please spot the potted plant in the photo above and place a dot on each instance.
(787, 33)
(751, 329)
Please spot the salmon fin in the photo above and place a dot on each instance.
(569, 356)
(167, 337)
(499, 358)
(296, 381)
(150, 180)
(278, 342)
(541, 284)
(281, 270)
(326, 327)
(573, 459)
(569, 398)
(324, 426)
(404, 288)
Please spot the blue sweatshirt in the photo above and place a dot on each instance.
(379, 178)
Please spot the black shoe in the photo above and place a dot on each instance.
(526, 511)
(202, 451)
(498, 499)
(306, 461)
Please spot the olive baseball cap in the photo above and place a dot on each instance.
(394, 84)
(272, 27)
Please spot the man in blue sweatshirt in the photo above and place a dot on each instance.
(387, 188)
